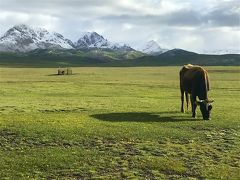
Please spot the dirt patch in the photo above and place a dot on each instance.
(11, 109)
(7, 132)
(131, 156)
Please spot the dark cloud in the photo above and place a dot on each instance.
(182, 18)
(223, 17)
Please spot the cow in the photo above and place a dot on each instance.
(194, 81)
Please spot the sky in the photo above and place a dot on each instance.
(194, 25)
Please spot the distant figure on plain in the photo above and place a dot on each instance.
(194, 81)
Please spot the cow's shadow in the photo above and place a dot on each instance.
(143, 117)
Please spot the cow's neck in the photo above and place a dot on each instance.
(203, 95)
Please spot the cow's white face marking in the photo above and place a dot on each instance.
(209, 106)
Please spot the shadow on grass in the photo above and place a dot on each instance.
(62, 75)
(143, 117)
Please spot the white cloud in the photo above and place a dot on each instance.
(188, 24)
(127, 26)
(19, 16)
(39, 20)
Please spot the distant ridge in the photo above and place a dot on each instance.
(108, 57)
(178, 52)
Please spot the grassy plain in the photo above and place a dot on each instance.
(115, 123)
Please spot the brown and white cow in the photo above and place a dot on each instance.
(194, 81)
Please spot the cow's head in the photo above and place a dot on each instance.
(205, 107)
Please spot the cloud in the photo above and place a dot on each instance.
(192, 24)
(224, 16)
(42, 20)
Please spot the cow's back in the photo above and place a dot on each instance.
(193, 77)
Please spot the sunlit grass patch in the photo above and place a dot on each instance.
(115, 123)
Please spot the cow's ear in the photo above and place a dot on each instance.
(197, 103)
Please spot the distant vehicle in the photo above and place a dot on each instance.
(194, 81)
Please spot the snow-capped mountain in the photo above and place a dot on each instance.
(91, 39)
(152, 48)
(94, 40)
(23, 38)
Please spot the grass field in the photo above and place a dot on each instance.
(115, 123)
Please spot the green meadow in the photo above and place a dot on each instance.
(115, 123)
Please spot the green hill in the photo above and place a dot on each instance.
(180, 57)
(107, 57)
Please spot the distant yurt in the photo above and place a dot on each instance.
(64, 71)
(69, 71)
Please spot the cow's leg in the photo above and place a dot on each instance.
(194, 105)
(187, 99)
(182, 101)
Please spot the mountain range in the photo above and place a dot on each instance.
(22, 38)
(22, 45)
